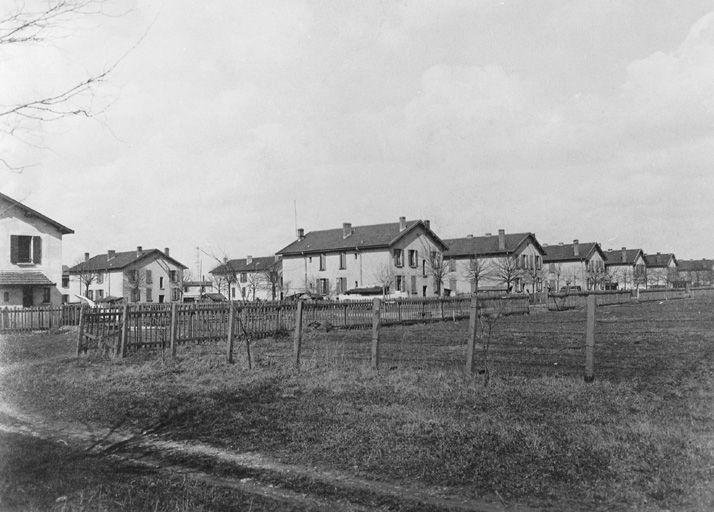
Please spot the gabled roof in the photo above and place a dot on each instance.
(488, 245)
(260, 264)
(695, 265)
(615, 257)
(566, 252)
(374, 236)
(102, 262)
(659, 260)
(24, 278)
(34, 213)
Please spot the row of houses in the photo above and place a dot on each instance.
(399, 258)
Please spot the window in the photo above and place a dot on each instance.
(551, 267)
(399, 283)
(46, 295)
(341, 284)
(6, 296)
(539, 262)
(149, 277)
(149, 297)
(413, 259)
(173, 276)
(355, 255)
(133, 276)
(398, 258)
(90, 294)
(413, 285)
(175, 294)
(65, 298)
(423, 268)
(343, 260)
(452, 265)
(135, 295)
(233, 293)
(323, 261)
(161, 282)
(65, 281)
(243, 277)
(323, 286)
(25, 249)
(100, 278)
(452, 286)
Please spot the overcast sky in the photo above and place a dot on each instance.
(570, 119)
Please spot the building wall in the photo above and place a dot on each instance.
(573, 273)
(627, 276)
(14, 222)
(255, 287)
(362, 268)
(662, 276)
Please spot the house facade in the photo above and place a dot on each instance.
(250, 278)
(507, 262)
(133, 276)
(626, 268)
(661, 270)
(696, 272)
(580, 264)
(30, 256)
(396, 257)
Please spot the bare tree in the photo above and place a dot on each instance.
(85, 275)
(272, 278)
(437, 268)
(507, 271)
(385, 277)
(533, 276)
(477, 270)
(134, 281)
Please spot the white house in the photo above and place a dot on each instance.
(626, 267)
(662, 270)
(134, 276)
(30, 255)
(250, 278)
(580, 264)
(502, 261)
(395, 256)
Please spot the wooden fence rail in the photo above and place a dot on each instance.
(38, 318)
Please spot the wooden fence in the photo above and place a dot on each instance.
(577, 300)
(38, 318)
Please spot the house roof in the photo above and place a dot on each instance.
(197, 283)
(34, 213)
(488, 245)
(659, 259)
(615, 257)
(260, 264)
(695, 265)
(374, 236)
(24, 278)
(566, 252)
(101, 262)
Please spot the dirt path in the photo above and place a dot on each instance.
(335, 490)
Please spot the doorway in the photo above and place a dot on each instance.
(26, 296)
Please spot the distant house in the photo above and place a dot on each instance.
(696, 272)
(580, 264)
(661, 270)
(250, 278)
(31, 262)
(627, 268)
(397, 257)
(503, 261)
(194, 291)
(136, 276)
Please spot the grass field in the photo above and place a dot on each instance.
(639, 437)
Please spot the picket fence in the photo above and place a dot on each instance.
(38, 318)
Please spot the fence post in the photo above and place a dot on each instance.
(297, 339)
(172, 331)
(277, 318)
(590, 339)
(80, 334)
(229, 355)
(376, 306)
(121, 349)
(473, 328)
(247, 345)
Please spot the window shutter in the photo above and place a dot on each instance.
(36, 249)
(148, 277)
(14, 247)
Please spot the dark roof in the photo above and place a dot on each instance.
(695, 265)
(374, 236)
(566, 252)
(197, 283)
(615, 257)
(659, 259)
(488, 245)
(24, 278)
(100, 262)
(260, 264)
(29, 211)
(215, 297)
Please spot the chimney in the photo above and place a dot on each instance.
(402, 223)
(624, 254)
(469, 235)
(576, 247)
(138, 251)
(300, 233)
(488, 234)
(111, 253)
(501, 239)
(560, 243)
(427, 223)
(86, 256)
(248, 259)
(659, 252)
(346, 229)
(166, 251)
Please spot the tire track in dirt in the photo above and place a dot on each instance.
(150, 450)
